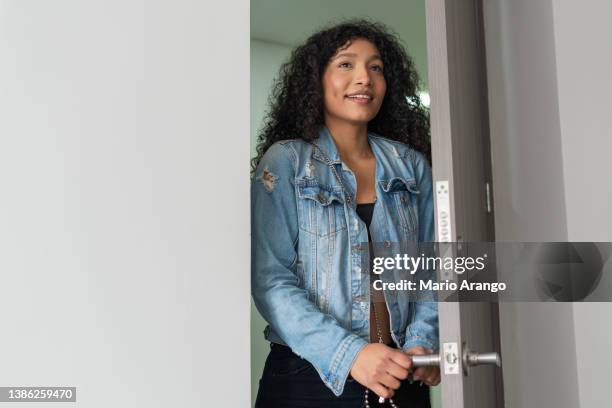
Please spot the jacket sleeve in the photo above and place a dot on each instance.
(275, 284)
(423, 329)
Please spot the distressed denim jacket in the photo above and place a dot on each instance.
(307, 249)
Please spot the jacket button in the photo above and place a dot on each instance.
(321, 197)
(387, 244)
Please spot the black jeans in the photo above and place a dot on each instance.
(289, 381)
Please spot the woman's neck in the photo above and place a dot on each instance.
(351, 140)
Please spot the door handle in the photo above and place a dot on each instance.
(426, 360)
(469, 359)
(474, 359)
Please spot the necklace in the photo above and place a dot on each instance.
(381, 400)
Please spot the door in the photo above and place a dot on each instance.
(462, 175)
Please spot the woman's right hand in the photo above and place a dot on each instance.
(380, 368)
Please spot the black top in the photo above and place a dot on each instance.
(364, 211)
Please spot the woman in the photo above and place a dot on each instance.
(342, 161)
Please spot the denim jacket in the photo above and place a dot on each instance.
(307, 249)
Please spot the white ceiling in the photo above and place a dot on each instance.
(289, 22)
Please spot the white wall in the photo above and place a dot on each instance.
(584, 62)
(124, 204)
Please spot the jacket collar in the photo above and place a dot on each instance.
(326, 143)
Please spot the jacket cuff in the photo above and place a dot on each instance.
(342, 363)
(420, 341)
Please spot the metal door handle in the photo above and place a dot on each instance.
(474, 359)
(426, 360)
(469, 359)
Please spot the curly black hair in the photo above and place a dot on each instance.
(296, 102)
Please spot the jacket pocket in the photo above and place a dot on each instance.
(320, 207)
(404, 192)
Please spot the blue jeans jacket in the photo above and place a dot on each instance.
(306, 276)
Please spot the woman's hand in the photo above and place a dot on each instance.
(380, 368)
(429, 375)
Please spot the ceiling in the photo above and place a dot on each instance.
(289, 22)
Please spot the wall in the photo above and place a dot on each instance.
(124, 205)
(266, 58)
(582, 42)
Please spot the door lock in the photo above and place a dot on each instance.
(450, 355)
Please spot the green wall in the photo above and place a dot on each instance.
(266, 59)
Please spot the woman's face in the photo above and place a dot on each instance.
(353, 83)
